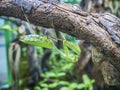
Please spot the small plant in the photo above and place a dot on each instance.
(56, 78)
(57, 84)
(8, 26)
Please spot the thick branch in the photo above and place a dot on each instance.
(63, 18)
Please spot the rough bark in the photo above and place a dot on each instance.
(62, 18)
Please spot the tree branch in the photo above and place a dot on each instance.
(62, 17)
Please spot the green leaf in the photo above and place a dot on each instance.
(44, 85)
(50, 74)
(67, 67)
(86, 79)
(20, 82)
(73, 85)
(80, 86)
(53, 85)
(64, 83)
(8, 28)
(61, 74)
(45, 89)
(88, 82)
(64, 88)
(91, 87)
(26, 89)
(5, 27)
(37, 88)
(36, 40)
(91, 84)
(92, 81)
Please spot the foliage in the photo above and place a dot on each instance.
(63, 84)
(60, 77)
(8, 26)
(56, 78)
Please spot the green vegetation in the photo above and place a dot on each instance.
(57, 77)
(61, 75)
